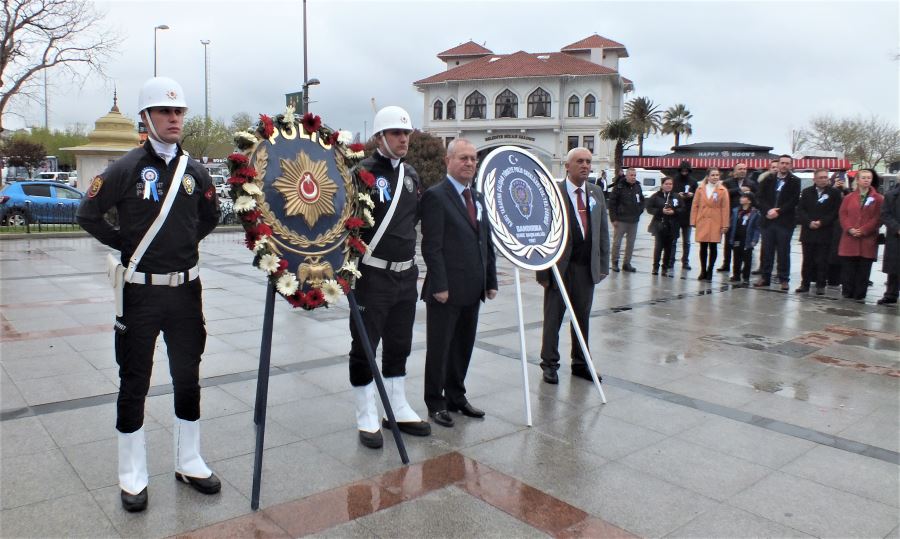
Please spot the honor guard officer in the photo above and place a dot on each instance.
(166, 203)
(386, 292)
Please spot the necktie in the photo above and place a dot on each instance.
(582, 212)
(470, 206)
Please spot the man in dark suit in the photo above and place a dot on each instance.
(584, 263)
(817, 214)
(461, 273)
(777, 200)
(738, 183)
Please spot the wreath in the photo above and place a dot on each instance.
(246, 183)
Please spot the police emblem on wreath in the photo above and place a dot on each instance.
(300, 206)
(524, 206)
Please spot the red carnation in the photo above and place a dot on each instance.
(311, 123)
(354, 222)
(246, 172)
(263, 229)
(249, 239)
(236, 180)
(297, 300)
(314, 298)
(251, 216)
(357, 147)
(357, 245)
(238, 159)
(332, 139)
(266, 127)
(367, 177)
(282, 264)
(344, 285)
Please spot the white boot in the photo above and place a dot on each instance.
(133, 476)
(367, 416)
(189, 465)
(407, 418)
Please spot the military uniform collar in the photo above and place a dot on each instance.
(394, 162)
(164, 151)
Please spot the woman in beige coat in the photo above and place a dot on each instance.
(709, 215)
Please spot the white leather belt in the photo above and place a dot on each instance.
(384, 264)
(176, 278)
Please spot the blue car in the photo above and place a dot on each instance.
(38, 202)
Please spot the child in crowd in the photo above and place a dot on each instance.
(743, 237)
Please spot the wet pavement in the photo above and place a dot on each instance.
(731, 412)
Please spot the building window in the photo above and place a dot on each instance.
(438, 110)
(588, 142)
(539, 103)
(448, 140)
(451, 109)
(573, 106)
(476, 106)
(573, 142)
(506, 105)
(590, 106)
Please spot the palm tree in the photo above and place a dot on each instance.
(621, 132)
(644, 118)
(676, 121)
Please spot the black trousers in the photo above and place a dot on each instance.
(708, 252)
(815, 264)
(387, 303)
(776, 240)
(580, 288)
(664, 246)
(450, 338)
(726, 252)
(684, 230)
(178, 313)
(743, 260)
(855, 276)
(892, 291)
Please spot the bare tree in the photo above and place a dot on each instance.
(866, 142)
(44, 34)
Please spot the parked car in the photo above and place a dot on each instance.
(222, 188)
(38, 201)
(62, 177)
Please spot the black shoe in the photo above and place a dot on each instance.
(413, 428)
(615, 268)
(210, 485)
(802, 289)
(722, 268)
(702, 276)
(820, 290)
(655, 272)
(886, 301)
(761, 284)
(550, 376)
(372, 440)
(734, 279)
(685, 266)
(442, 418)
(135, 503)
(756, 272)
(586, 374)
(465, 409)
(629, 268)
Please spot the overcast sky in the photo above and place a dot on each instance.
(748, 71)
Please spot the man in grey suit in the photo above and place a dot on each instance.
(584, 263)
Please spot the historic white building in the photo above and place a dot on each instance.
(547, 103)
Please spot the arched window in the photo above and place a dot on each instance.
(438, 110)
(451, 109)
(590, 106)
(573, 106)
(539, 103)
(476, 105)
(506, 105)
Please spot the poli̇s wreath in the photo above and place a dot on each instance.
(301, 207)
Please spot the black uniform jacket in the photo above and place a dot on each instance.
(194, 214)
(459, 258)
(824, 208)
(398, 243)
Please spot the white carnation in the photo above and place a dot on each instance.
(252, 189)
(332, 291)
(260, 244)
(350, 267)
(367, 215)
(356, 155)
(244, 203)
(287, 284)
(244, 137)
(269, 263)
(366, 199)
(345, 137)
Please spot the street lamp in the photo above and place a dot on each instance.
(205, 42)
(306, 85)
(160, 27)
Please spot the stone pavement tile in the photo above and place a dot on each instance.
(727, 521)
(509, 405)
(31, 368)
(65, 387)
(816, 509)
(638, 502)
(855, 392)
(23, 437)
(893, 534)
(33, 312)
(289, 472)
(878, 428)
(861, 354)
(748, 442)
(10, 397)
(804, 414)
(468, 431)
(864, 476)
(333, 378)
(698, 386)
(595, 432)
(96, 462)
(713, 474)
(344, 445)
(348, 529)
(445, 513)
(289, 353)
(283, 388)
(641, 372)
(315, 416)
(214, 402)
(228, 362)
(86, 424)
(530, 457)
(256, 525)
(234, 435)
(173, 508)
(37, 477)
(33, 348)
(101, 358)
(77, 515)
(657, 415)
(243, 339)
(57, 320)
(232, 325)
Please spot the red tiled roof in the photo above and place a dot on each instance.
(517, 65)
(593, 42)
(469, 48)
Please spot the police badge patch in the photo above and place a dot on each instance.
(96, 184)
(407, 181)
(188, 182)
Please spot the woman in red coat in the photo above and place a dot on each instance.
(860, 219)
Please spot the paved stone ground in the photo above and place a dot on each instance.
(731, 412)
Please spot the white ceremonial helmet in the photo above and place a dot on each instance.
(392, 118)
(161, 92)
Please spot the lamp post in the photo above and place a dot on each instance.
(306, 85)
(155, 30)
(205, 42)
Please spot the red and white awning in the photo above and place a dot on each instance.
(812, 163)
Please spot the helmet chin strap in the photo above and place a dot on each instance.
(386, 148)
(149, 123)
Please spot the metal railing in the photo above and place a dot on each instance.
(39, 218)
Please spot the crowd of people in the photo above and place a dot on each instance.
(840, 223)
